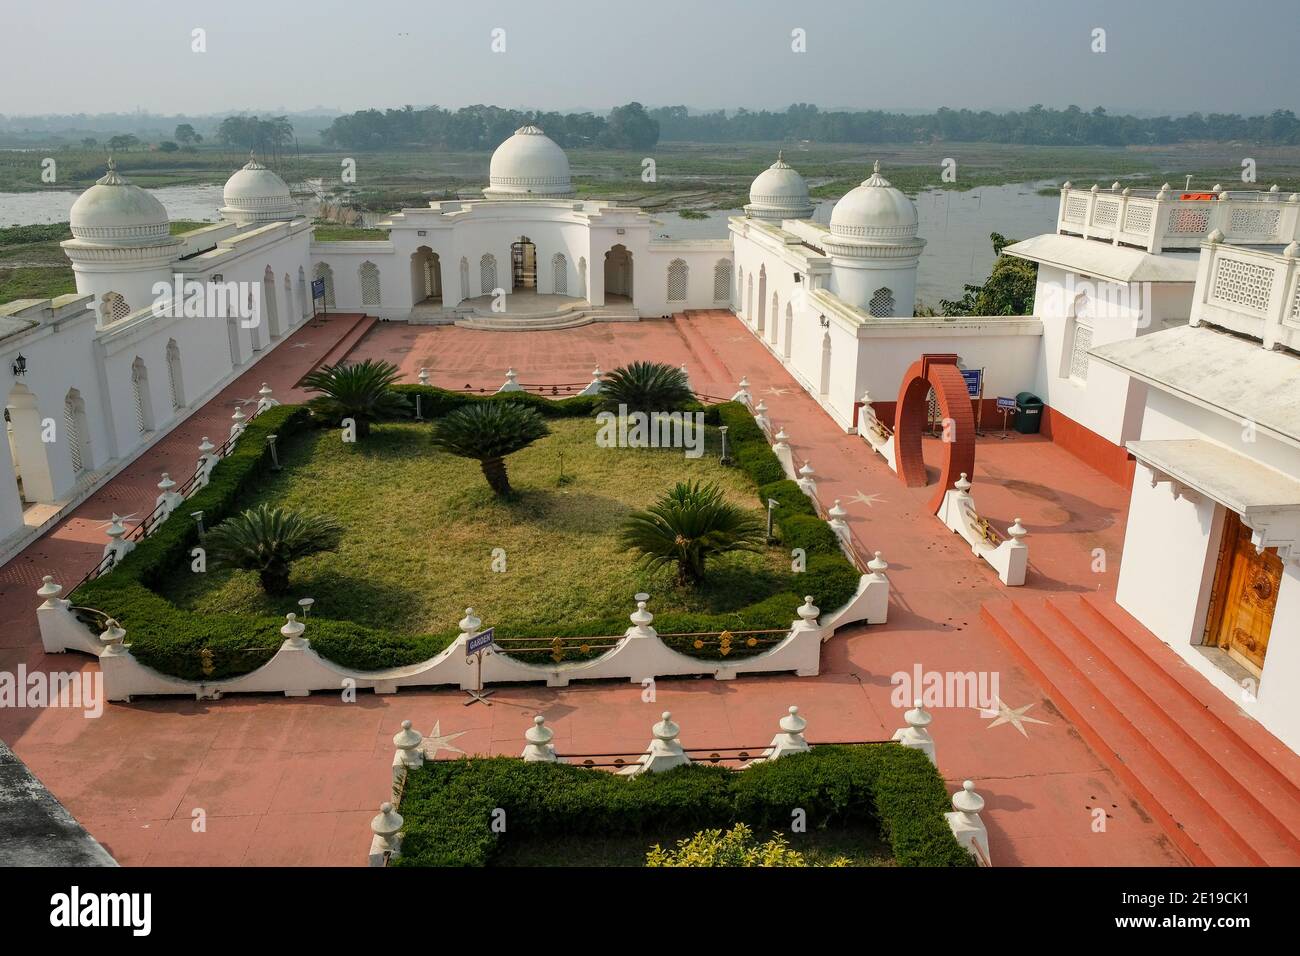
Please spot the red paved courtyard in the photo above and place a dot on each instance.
(295, 781)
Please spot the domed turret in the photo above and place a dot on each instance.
(113, 212)
(874, 248)
(875, 210)
(529, 165)
(256, 194)
(779, 192)
(121, 245)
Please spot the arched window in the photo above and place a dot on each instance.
(464, 278)
(175, 382)
(740, 290)
(749, 297)
(824, 388)
(789, 330)
(487, 273)
(582, 277)
(270, 307)
(560, 268)
(112, 307)
(76, 432)
(323, 271)
(369, 273)
(288, 302)
(760, 318)
(255, 328)
(678, 276)
(771, 326)
(882, 303)
(140, 393)
(722, 280)
(304, 300)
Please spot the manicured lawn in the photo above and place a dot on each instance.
(421, 528)
(35, 282)
(330, 233)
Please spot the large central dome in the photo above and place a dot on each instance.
(875, 212)
(529, 165)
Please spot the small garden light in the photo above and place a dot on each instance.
(726, 458)
(275, 457)
(305, 604)
(198, 519)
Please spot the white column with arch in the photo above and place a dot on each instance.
(29, 452)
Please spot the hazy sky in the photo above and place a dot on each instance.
(69, 56)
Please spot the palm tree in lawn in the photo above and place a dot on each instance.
(489, 431)
(268, 540)
(646, 387)
(362, 392)
(689, 525)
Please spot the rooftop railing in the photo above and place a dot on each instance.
(1169, 219)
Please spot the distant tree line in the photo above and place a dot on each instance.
(1037, 125)
(634, 127)
(485, 127)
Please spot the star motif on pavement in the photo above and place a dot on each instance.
(779, 391)
(867, 500)
(437, 740)
(1013, 716)
(299, 345)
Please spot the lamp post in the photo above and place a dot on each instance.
(725, 459)
(198, 519)
(771, 504)
(305, 604)
(275, 458)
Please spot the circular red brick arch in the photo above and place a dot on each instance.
(910, 421)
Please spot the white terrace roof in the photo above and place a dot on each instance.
(1233, 480)
(1101, 259)
(1216, 370)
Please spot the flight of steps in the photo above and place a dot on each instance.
(344, 346)
(568, 317)
(706, 368)
(1225, 790)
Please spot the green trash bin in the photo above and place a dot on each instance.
(1029, 413)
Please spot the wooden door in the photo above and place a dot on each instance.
(1245, 596)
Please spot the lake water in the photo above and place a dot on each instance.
(955, 225)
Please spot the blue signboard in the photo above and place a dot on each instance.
(479, 641)
(1006, 404)
(318, 288)
(972, 377)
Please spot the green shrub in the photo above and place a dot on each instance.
(436, 402)
(791, 500)
(812, 534)
(448, 805)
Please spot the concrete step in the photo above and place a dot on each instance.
(1203, 813)
(346, 344)
(1205, 753)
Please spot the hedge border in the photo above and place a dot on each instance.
(209, 647)
(448, 805)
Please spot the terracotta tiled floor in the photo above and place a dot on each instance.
(290, 782)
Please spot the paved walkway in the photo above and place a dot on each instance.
(295, 781)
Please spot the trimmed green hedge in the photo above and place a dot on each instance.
(448, 805)
(203, 646)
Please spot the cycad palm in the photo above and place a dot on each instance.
(689, 525)
(268, 540)
(362, 392)
(489, 431)
(646, 387)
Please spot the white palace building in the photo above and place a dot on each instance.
(1164, 342)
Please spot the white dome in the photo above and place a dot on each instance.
(779, 192)
(113, 212)
(257, 194)
(528, 164)
(874, 211)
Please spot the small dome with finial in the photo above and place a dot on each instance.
(115, 212)
(779, 192)
(874, 211)
(256, 194)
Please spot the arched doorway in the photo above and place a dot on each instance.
(618, 272)
(426, 276)
(31, 463)
(940, 372)
(523, 265)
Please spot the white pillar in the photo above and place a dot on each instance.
(539, 748)
(665, 750)
(387, 840)
(915, 735)
(790, 740)
(966, 824)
